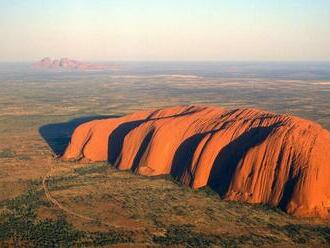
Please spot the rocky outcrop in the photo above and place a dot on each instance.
(68, 64)
(244, 154)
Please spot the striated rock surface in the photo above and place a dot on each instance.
(68, 64)
(244, 154)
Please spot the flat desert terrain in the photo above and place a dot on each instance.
(45, 202)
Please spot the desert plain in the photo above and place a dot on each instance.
(45, 202)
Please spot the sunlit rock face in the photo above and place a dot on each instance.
(66, 63)
(245, 155)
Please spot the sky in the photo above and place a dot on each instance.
(171, 30)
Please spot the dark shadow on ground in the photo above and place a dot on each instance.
(228, 158)
(57, 135)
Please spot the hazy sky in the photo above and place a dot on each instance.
(165, 30)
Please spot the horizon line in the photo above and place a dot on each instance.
(178, 61)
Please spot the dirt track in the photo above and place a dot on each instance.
(51, 199)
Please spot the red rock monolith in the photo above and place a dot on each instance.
(245, 155)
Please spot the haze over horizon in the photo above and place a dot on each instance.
(167, 31)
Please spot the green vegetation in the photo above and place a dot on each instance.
(7, 153)
(23, 157)
(302, 233)
(94, 168)
(20, 227)
(142, 199)
(184, 235)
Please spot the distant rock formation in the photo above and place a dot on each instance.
(68, 64)
(245, 155)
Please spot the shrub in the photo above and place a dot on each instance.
(7, 153)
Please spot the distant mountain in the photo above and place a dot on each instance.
(69, 64)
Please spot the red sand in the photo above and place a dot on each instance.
(244, 154)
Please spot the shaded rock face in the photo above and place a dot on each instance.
(65, 63)
(244, 154)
